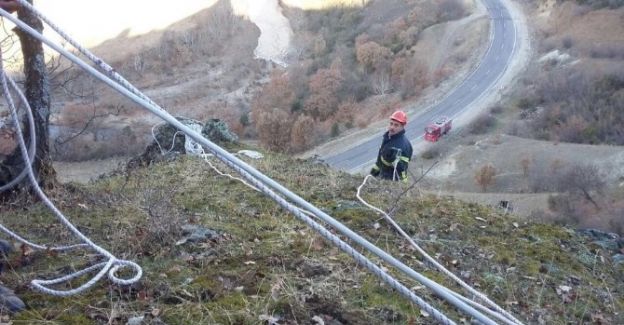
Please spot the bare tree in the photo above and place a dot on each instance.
(583, 180)
(525, 163)
(381, 82)
(485, 176)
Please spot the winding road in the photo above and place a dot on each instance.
(501, 49)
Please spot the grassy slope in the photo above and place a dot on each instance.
(265, 262)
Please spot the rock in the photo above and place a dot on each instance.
(313, 268)
(251, 154)
(135, 320)
(216, 130)
(169, 143)
(390, 315)
(5, 247)
(610, 245)
(607, 241)
(342, 205)
(197, 234)
(596, 234)
(9, 301)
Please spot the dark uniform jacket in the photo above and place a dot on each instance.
(393, 148)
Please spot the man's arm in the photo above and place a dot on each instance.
(402, 168)
(404, 158)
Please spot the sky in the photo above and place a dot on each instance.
(92, 22)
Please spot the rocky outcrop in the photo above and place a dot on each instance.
(169, 142)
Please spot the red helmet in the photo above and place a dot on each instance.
(399, 116)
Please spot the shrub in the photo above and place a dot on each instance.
(302, 133)
(335, 130)
(485, 176)
(525, 103)
(430, 153)
(580, 108)
(496, 109)
(274, 128)
(450, 10)
(372, 55)
(482, 124)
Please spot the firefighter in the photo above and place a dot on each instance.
(395, 152)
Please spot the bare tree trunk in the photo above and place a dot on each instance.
(38, 95)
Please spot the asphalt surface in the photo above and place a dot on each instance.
(503, 39)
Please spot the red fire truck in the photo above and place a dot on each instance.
(438, 128)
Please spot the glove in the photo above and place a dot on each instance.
(374, 171)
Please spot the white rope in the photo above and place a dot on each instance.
(194, 148)
(361, 259)
(245, 169)
(432, 260)
(113, 263)
(33, 140)
(162, 151)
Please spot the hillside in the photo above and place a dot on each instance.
(204, 67)
(216, 252)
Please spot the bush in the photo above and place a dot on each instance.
(485, 176)
(432, 152)
(436, 151)
(578, 106)
(525, 103)
(496, 109)
(335, 130)
(567, 42)
(482, 124)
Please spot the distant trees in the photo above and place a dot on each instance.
(482, 124)
(485, 176)
(341, 65)
(372, 56)
(271, 112)
(409, 76)
(450, 10)
(302, 133)
(579, 198)
(325, 86)
(577, 107)
(582, 180)
(274, 128)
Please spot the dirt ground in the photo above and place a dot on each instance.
(85, 171)
(454, 175)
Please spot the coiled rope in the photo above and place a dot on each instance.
(111, 266)
(33, 141)
(258, 178)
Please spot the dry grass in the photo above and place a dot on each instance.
(264, 263)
